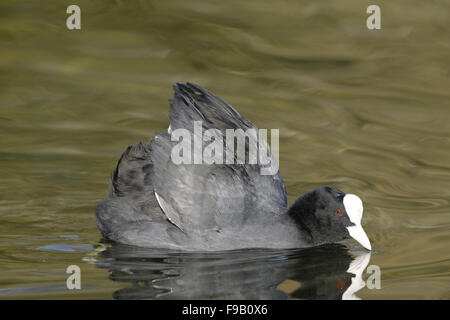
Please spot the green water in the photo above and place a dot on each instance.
(365, 111)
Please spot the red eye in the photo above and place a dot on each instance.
(340, 284)
(338, 212)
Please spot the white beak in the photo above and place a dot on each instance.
(354, 207)
(357, 233)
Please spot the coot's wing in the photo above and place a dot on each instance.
(198, 197)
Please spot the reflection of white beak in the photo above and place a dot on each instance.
(357, 266)
(354, 207)
(357, 233)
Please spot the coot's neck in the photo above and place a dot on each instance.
(306, 223)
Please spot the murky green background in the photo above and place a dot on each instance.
(365, 111)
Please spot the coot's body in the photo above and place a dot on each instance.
(154, 202)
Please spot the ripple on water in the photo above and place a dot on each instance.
(67, 247)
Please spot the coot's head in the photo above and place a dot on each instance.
(327, 215)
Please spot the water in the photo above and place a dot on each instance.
(364, 111)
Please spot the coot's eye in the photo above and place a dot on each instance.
(338, 212)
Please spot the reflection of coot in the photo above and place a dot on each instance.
(314, 273)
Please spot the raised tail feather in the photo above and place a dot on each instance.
(194, 103)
